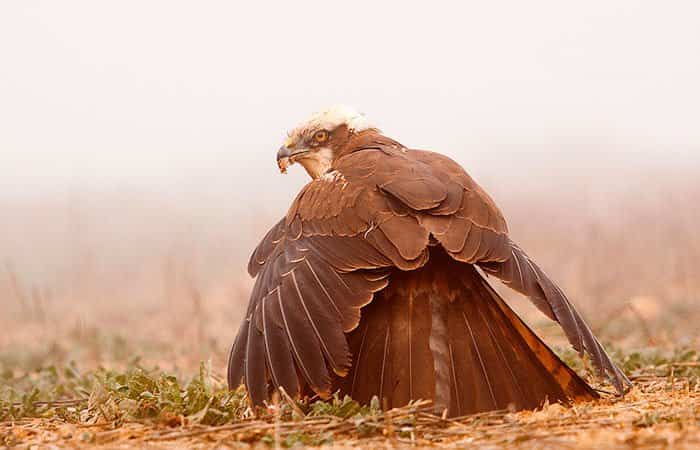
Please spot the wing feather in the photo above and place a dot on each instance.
(279, 356)
(266, 247)
(305, 346)
(255, 365)
(521, 274)
(236, 360)
(321, 317)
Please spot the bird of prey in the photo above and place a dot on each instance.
(374, 284)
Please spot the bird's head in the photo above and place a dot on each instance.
(317, 142)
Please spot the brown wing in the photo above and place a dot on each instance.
(489, 246)
(468, 224)
(520, 273)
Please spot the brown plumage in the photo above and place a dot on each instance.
(370, 286)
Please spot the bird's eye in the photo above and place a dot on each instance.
(321, 136)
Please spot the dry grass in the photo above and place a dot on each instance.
(142, 410)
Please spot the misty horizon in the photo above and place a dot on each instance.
(137, 134)
(94, 98)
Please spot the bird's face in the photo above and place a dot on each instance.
(314, 148)
(315, 143)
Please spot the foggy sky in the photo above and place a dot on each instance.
(198, 95)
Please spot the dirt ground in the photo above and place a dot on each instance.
(659, 413)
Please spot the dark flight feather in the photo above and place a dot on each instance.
(523, 275)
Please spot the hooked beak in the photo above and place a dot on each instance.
(283, 161)
(285, 157)
(284, 152)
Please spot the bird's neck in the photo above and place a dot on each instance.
(318, 163)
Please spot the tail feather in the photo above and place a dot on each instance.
(572, 385)
(475, 383)
(453, 340)
(523, 275)
(390, 353)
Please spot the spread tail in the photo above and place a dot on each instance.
(454, 340)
